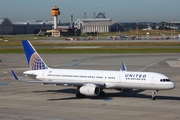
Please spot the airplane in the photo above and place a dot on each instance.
(92, 82)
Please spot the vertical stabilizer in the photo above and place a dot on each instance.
(35, 62)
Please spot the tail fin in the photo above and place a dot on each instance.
(124, 67)
(35, 62)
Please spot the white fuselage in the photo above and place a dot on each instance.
(110, 79)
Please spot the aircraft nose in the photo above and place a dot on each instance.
(172, 85)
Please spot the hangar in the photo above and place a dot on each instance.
(32, 27)
(6, 26)
(98, 24)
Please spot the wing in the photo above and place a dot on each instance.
(152, 64)
(64, 83)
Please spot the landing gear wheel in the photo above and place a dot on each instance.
(79, 95)
(102, 93)
(154, 95)
(153, 98)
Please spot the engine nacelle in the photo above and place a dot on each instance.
(90, 90)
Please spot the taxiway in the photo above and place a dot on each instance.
(23, 101)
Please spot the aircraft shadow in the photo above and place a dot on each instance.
(69, 91)
(110, 96)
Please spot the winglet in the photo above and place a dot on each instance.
(14, 74)
(124, 67)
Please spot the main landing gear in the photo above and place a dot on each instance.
(102, 93)
(154, 95)
(79, 95)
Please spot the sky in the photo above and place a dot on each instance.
(117, 10)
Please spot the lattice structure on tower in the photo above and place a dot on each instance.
(101, 15)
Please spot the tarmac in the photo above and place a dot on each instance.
(23, 101)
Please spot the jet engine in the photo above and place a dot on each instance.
(89, 90)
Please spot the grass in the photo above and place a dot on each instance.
(16, 41)
(118, 43)
(143, 33)
(129, 33)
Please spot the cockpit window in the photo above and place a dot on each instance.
(164, 80)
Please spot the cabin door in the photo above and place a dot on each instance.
(121, 79)
(43, 76)
(152, 80)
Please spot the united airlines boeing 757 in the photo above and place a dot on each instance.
(92, 82)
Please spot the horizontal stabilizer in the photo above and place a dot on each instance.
(14, 74)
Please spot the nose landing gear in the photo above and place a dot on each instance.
(154, 95)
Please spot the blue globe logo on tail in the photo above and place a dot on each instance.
(36, 63)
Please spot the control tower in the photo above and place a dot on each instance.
(55, 12)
